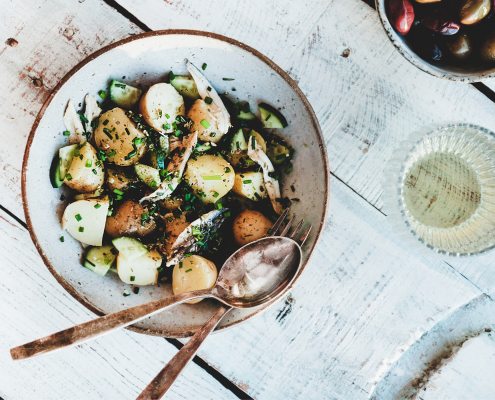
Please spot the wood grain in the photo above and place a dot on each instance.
(53, 36)
(119, 365)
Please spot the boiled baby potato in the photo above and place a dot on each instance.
(119, 138)
(193, 273)
(171, 203)
(249, 226)
(473, 11)
(140, 271)
(204, 122)
(462, 47)
(239, 158)
(488, 48)
(85, 220)
(118, 179)
(86, 172)
(250, 185)
(161, 104)
(211, 177)
(173, 228)
(127, 221)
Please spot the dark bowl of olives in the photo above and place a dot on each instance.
(450, 39)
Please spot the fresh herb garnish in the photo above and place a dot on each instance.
(97, 206)
(212, 177)
(66, 133)
(81, 229)
(208, 100)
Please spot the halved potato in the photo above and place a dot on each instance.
(118, 136)
(193, 273)
(85, 220)
(140, 271)
(86, 172)
(211, 177)
(173, 228)
(161, 104)
(250, 185)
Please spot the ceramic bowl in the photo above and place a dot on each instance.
(474, 73)
(146, 59)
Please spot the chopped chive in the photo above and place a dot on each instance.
(205, 123)
(78, 217)
(292, 188)
(153, 184)
(213, 134)
(257, 195)
(133, 278)
(253, 144)
(62, 239)
(228, 79)
(66, 133)
(247, 181)
(76, 153)
(204, 66)
(170, 187)
(212, 177)
(281, 157)
(117, 191)
(171, 75)
(166, 126)
(208, 88)
(81, 229)
(187, 196)
(145, 217)
(208, 100)
(227, 170)
(126, 293)
(167, 116)
(117, 136)
(68, 177)
(216, 194)
(174, 125)
(189, 270)
(289, 169)
(111, 154)
(107, 132)
(220, 155)
(201, 243)
(97, 206)
(267, 118)
(102, 94)
(160, 113)
(227, 214)
(95, 171)
(106, 122)
(131, 154)
(177, 133)
(89, 163)
(136, 290)
(180, 264)
(84, 119)
(127, 131)
(218, 206)
(188, 255)
(118, 197)
(110, 213)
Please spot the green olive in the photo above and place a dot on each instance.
(462, 47)
(277, 153)
(473, 11)
(488, 48)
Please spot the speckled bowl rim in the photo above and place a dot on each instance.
(417, 61)
(266, 60)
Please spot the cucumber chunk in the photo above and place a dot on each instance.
(130, 248)
(277, 153)
(100, 259)
(123, 95)
(55, 173)
(159, 155)
(66, 155)
(149, 175)
(204, 147)
(246, 116)
(185, 85)
(271, 117)
(84, 196)
(238, 142)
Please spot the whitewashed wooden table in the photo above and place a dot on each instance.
(365, 298)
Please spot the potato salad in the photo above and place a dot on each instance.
(173, 175)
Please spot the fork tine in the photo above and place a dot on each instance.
(289, 224)
(298, 227)
(277, 224)
(304, 236)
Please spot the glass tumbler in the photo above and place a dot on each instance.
(439, 190)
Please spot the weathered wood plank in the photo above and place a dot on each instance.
(362, 302)
(119, 365)
(53, 36)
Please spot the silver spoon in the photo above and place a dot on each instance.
(247, 279)
(159, 386)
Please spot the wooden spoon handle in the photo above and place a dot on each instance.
(100, 326)
(167, 376)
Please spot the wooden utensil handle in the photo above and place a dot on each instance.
(100, 326)
(167, 376)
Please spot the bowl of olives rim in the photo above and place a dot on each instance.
(450, 39)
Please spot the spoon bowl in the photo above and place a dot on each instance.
(258, 272)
